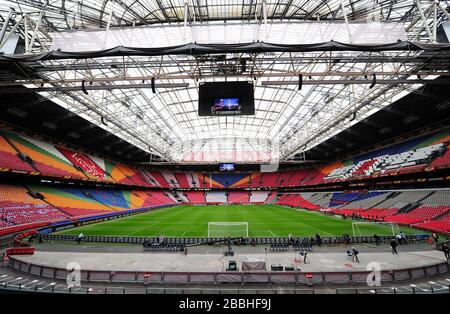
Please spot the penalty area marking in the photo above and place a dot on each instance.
(183, 233)
(309, 226)
(140, 230)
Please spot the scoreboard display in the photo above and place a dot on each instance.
(226, 99)
(226, 167)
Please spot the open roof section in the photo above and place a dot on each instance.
(336, 92)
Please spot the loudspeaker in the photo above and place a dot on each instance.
(443, 33)
(83, 88)
(374, 81)
(153, 86)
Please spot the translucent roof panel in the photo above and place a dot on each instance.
(336, 91)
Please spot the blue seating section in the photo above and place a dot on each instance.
(339, 198)
(112, 198)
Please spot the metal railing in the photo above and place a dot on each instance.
(187, 241)
(63, 289)
(267, 277)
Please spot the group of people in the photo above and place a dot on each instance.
(353, 254)
(401, 238)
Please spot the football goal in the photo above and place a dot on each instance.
(369, 228)
(218, 229)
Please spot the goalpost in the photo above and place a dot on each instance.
(219, 229)
(368, 228)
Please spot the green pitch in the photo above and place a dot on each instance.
(263, 221)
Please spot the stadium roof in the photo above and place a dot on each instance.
(386, 49)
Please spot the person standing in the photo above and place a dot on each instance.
(394, 245)
(435, 238)
(403, 236)
(318, 240)
(377, 239)
(355, 255)
(80, 238)
(305, 257)
(446, 250)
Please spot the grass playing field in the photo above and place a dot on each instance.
(263, 221)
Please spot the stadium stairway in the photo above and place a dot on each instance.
(390, 195)
(443, 215)
(25, 161)
(412, 206)
(409, 208)
(179, 198)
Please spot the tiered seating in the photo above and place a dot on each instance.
(161, 198)
(315, 177)
(269, 179)
(9, 159)
(359, 203)
(45, 157)
(170, 179)
(158, 179)
(238, 197)
(342, 199)
(340, 174)
(438, 198)
(193, 179)
(216, 197)
(108, 197)
(387, 162)
(403, 198)
(92, 167)
(418, 215)
(18, 207)
(283, 178)
(259, 196)
(346, 211)
(438, 225)
(378, 213)
(362, 169)
(297, 177)
(135, 199)
(72, 201)
(320, 199)
(296, 200)
(367, 200)
(427, 152)
(178, 196)
(124, 174)
(183, 181)
(196, 197)
(271, 197)
(442, 161)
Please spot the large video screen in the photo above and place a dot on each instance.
(225, 105)
(226, 167)
(226, 98)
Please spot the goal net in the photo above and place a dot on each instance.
(227, 229)
(368, 228)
